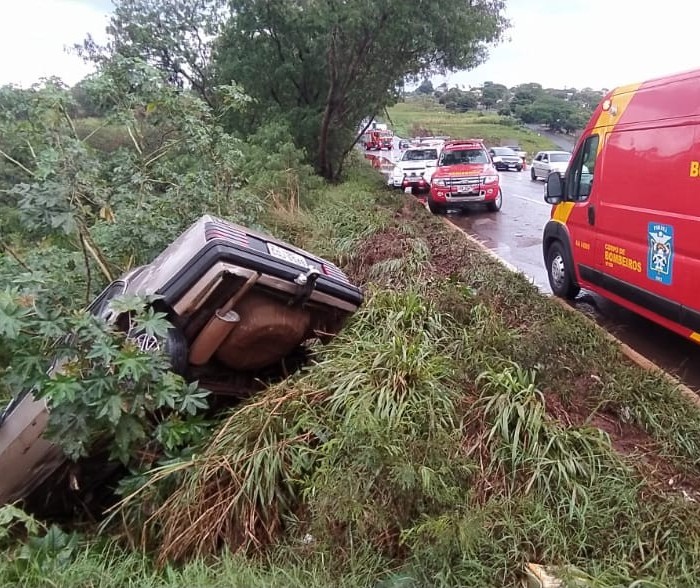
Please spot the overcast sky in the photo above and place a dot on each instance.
(573, 43)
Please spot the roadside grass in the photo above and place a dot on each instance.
(424, 118)
(461, 425)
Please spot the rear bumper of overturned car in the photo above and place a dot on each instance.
(281, 274)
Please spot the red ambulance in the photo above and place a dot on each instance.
(625, 220)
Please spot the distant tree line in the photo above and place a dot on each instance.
(565, 110)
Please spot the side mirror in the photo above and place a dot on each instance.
(554, 189)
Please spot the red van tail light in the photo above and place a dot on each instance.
(333, 272)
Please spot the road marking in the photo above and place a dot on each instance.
(541, 203)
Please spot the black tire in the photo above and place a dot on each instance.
(533, 177)
(560, 275)
(519, 168)
(495, 206)
(434, 207)
(174, 346)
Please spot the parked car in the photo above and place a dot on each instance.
(546, 162)
(404, 144)
(239, 301)
(521, 153)
(414, 168)
(504, 158)
(464, 176)
(625, 219)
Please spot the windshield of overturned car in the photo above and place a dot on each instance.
(420, 155)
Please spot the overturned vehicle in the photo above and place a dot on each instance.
(239, 302)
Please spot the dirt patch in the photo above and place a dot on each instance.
(381, 246)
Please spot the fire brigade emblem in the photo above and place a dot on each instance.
(660, 256)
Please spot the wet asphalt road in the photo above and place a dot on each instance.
(515, 234)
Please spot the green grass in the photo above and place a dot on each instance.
(460, 426)
(427, 117)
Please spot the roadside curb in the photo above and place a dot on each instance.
(642, 361)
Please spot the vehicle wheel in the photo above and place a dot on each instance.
(560, 276)
(174, 345)
(519, 168)
(495, 205)
(433, 207)
(533, 177)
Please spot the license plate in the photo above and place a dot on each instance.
(286, 255)
(464, 189)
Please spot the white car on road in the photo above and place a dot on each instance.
(546, 162)
(415, 168)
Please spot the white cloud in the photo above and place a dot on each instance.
(574, 43)
(34, 35)
(596, 43)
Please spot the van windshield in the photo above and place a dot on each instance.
(464, 156)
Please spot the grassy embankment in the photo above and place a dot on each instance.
(426, 117)
(460, 426)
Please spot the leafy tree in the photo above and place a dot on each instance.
(456, 99)
(491, 94)
(426, 87)
(175, 36)
(323, 66)
(525, 94)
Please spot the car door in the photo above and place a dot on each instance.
(537, 165)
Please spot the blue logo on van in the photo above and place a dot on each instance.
(660, 256)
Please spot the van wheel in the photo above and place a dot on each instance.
(533, 177)
(495, 206)
(560, 275)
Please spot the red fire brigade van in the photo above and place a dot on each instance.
(625, 219)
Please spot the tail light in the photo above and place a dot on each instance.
(333, 272)
(215, 230)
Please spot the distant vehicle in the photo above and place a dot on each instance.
(404, 144)
(625, 219)
(521, 152)
(378, 140)
(414, 168)
(546, 162)
(504, 158)
(239, 302)
(464, 176)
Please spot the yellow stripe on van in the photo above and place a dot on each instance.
(695, 337)
(562, 211)
(619, 102)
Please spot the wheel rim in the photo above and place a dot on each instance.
(147, 342)
(558, 271)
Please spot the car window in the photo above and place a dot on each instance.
(559, 157)
(539, 157)
(464, 156)
(580, 181)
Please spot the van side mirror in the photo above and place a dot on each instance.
(554, 189)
